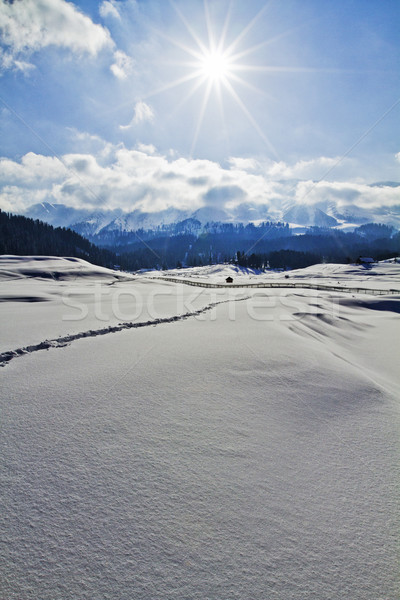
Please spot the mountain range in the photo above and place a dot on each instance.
(90, 223)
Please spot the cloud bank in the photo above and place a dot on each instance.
(140, 178)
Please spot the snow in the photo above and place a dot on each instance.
(383, 275)
(231, 443)
(53, 267)
(45, 298)
(324, 213)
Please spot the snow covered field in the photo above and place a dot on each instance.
(177, 442)
(382, 275)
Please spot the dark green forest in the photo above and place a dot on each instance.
(23, 236)
(266, 246)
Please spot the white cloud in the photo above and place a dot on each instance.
(131, 179)
(303, 169)
(342, 194)
(122, 66)
(397, 156)
(32, 171)
(8, 61)
(141, 178)
(142, 113)
(244, 164)
(13, 198)
(30, 25)
(109, 9)
(146, 148)
(321, 167)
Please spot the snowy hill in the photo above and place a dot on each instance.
(187, 442)
(53, 267)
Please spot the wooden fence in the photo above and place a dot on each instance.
(281, 284)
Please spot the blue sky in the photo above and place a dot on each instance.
(154, 104)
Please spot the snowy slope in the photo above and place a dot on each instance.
(44, 298)
(53, 267)
(238, 444)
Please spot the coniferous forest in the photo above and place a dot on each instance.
(20, 235)
(265, 246)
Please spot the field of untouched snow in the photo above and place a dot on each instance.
(179, 442)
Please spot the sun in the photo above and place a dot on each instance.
(215, 66)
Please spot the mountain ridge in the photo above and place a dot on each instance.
(89, 222)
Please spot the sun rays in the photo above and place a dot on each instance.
(212, 62)
(214, 71)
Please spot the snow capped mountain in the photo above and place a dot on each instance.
(323, 214)
(57, 215)
(247, 212)
(208, 214)
(309, 215)
(93, 224)
(145, 220)
(85, 222)
(387, 215)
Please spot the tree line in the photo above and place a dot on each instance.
(245, 246)
(23, 236)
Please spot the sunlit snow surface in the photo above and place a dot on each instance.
(238, 444)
